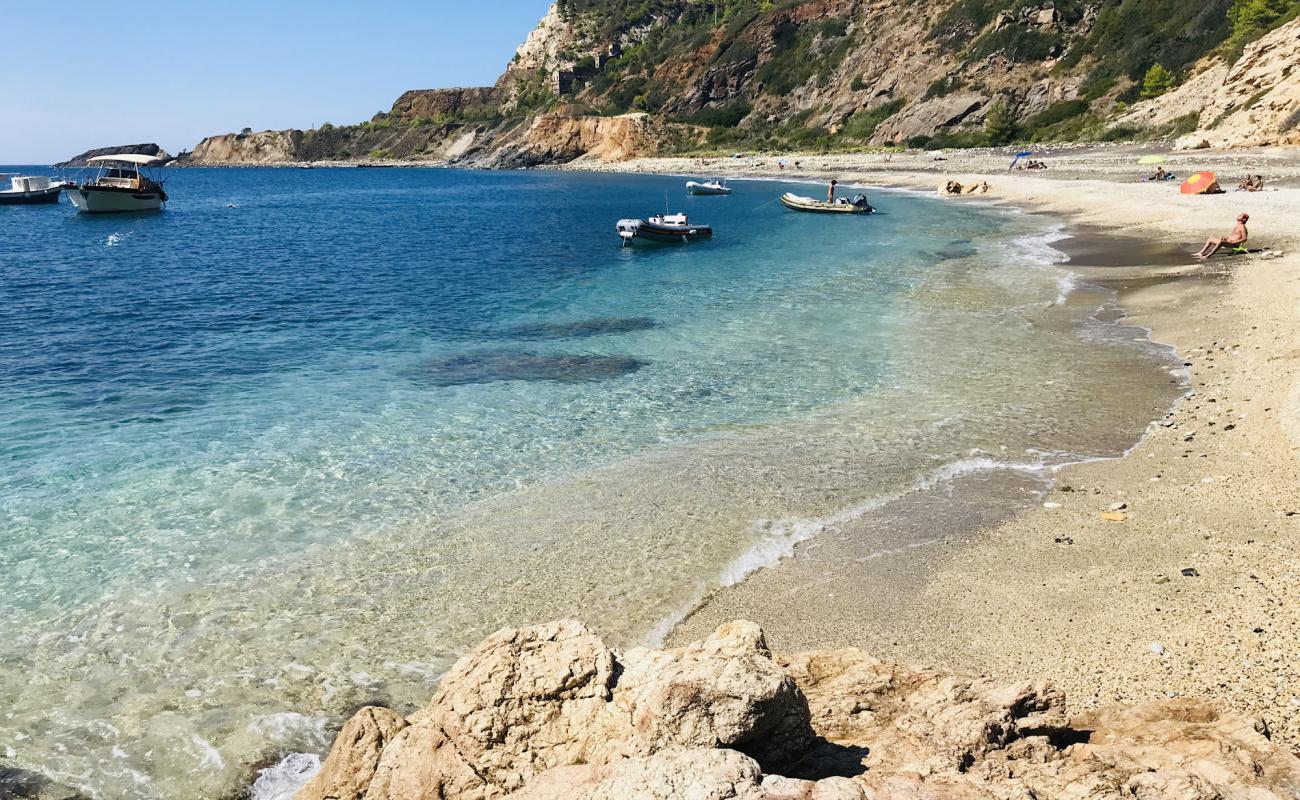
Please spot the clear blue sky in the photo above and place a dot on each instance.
(78, 74)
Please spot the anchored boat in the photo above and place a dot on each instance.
(715, 186)
(842, 205)
(119, 186)
(662, 228)
(29, 190)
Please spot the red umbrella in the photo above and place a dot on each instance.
(1200, 183)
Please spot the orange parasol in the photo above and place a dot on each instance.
(1200, 183)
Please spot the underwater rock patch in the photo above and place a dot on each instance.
(495, 366)
(599, 326)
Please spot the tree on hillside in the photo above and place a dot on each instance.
(1251, 19)
(999, 124)
(1158, 80)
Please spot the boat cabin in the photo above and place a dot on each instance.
(122, 171)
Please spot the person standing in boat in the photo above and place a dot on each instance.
(830, 194)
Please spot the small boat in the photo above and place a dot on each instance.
(842, 205)
(715, 186)
(29, 190)
(662, 228)
(119, 186)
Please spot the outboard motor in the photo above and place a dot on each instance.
(861, 202)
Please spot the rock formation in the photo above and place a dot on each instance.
(678, 75)
(552, 713)
(150, 149)
(1253, 102)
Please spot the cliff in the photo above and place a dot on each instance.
(552, 713)
(1252, 102)
(837, 74)
(150, 149)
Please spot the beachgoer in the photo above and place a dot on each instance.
(1237, 238)
(830, 193)
(1158, 175)
(1253, 183)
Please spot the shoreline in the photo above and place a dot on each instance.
(1199, 569)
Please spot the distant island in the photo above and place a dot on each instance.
(150, 149)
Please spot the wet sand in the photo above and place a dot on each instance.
(1191, 582)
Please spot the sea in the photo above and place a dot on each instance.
(297, 442)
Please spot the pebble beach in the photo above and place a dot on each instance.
(1170, 571)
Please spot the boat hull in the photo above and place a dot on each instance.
(704, 189)
(36, 197)
(668, 234)
(821, 207)
(112, 200)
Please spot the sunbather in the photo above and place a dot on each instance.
(1158, 175)
(1236, 239)
(1252, 183)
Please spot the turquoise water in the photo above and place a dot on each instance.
(264, 462)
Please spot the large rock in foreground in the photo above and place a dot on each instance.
(552, 713)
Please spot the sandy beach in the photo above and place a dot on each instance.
(1170, 571)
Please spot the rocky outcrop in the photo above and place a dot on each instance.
(930, 116)
(265, 147)
(1254, 102)
(560, 139)
(552, 713)
(432, 104)
(150, 149)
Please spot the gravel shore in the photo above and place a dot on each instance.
(1171, 571)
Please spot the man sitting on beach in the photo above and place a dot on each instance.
(1158, 175)
(1237, 238)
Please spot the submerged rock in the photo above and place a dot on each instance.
(506, 366)
(588, 327)
(551, 713)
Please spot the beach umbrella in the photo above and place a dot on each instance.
(1151, 160)
(1200, 183)
(1024, 154)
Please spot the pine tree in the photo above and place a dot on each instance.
(999, 124)
(1158, 80)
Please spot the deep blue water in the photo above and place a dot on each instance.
(202, 409)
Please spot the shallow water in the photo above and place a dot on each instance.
(262, 464)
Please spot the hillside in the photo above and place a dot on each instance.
(613, 78)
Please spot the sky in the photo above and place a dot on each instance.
(78, 74)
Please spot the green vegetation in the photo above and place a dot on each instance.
(999, 124)
(727, 116)
(1157, 81)
(862, 125)
(1251, 19)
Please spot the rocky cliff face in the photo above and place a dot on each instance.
(552, 713)
(1255, 101)
(611, 79)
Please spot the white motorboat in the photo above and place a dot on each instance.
(28, 190)
(119, 186)
(715, 186)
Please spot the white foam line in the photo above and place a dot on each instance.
(784, 535)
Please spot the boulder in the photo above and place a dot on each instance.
(347, 772)
(929, 116)
(551, 712)
(553, 696)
